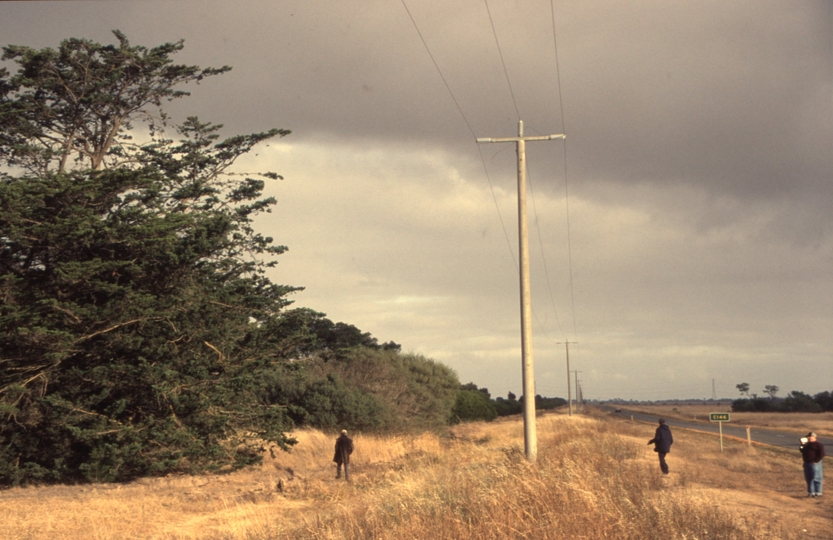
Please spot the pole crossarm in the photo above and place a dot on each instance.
(516, 139)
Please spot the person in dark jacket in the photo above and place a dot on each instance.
(812, 452)
(662, 444)
(344, 447)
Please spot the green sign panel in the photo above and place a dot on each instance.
(719, 417)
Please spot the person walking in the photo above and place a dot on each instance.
(344, 447)
(662, 443)
(812, 452)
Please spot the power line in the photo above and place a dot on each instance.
(500, 53)
(463, 115)
(437, 66)
(546, 269)
(566, 178)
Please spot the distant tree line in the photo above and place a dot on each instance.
(476, 404)
(796, 401)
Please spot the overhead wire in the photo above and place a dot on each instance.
(566, 178)
(439, 71)
(474, 135)
(500, 53)
(546, 269)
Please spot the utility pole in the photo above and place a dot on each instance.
(577, 389)
(530, 436)
(569, 390)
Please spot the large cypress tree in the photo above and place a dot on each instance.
(133, 298)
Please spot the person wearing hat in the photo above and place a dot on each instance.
(662, 443)
(344, 447)
(812, 452)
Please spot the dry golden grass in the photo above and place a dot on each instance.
(799, 423)
(594, 478)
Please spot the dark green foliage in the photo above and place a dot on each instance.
(365, 389)
(795, 402)
(471, 406)
(547, 403)
(315, 398)
(302, 332)
(824, 400)
(80, 100)
(508, 407)
(512, 405)
(124, 331)
(418, 393)
(329, 404)
(474, 388)
(753, 404)
(799, 402)
(341, 337)
(132, 308)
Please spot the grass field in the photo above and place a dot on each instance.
(595, 477)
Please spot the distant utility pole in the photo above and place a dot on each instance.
(577, 389)
(714, 394)
(530, 436)
(569, 390)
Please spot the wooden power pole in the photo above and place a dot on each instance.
(530, 436)
(569, 391)
(578, 399)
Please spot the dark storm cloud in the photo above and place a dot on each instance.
(732, 97)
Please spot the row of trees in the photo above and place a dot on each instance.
(139, 333)
(796, 401)
(473, 403)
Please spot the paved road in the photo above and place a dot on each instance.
(764, 436)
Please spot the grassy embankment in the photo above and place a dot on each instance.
(594, 478)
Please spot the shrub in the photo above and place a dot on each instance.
(472, 405)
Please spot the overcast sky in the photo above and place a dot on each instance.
(682, 236)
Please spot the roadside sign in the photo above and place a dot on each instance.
(719, 417)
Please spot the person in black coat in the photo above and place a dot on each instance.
(662, 443)
(344, 447)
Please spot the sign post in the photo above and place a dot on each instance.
(719, 417)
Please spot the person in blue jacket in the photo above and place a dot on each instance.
(662, 443)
